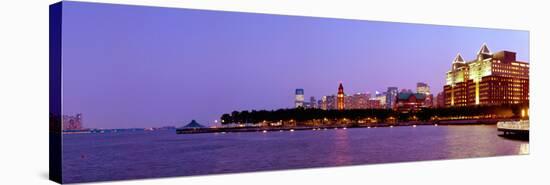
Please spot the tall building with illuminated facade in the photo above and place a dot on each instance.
(391, 97)
(490, 79)
(381, 97)
(357, 101)
(299, 99)
(329, 102)
(340, 97)
(312, 102)
(423, 88)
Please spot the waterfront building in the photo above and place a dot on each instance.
(391, 97)
(299, 99)
(324, 103)
(312, 102)
(374, 104)
(341, 96)
(490, 79)
(423, 88)
(410, 102)
(381, 97)
(72, 122)
(439, 100)
(357, 101)
(329, 102)
(429, 102)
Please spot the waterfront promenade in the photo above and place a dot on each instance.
(333, 126)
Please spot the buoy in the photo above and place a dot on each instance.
(292, 130)
(264, 131)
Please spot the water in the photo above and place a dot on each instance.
(131, 155)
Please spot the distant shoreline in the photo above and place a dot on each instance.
(327, 127)
(114, 130)
(290, 128)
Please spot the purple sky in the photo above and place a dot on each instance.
(135, 66)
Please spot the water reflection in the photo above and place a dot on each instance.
(479, 141)
(341, 154)
(160, 154)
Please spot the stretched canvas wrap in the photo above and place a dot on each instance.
(147, 92)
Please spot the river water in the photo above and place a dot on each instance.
(146, 154)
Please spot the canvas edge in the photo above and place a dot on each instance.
(55, 85)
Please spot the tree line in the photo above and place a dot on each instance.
(354, 115)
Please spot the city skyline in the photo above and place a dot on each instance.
(157, 67)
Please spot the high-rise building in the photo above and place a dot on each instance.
(299, 100)
(324, 103)
(340, 101)
(348, 101)
(439, 100)
(423, 88)
(391, 97)
(373, 104)
(330, 102)
(381, 97)
(312, 102)
(490, 79)
(357, 101)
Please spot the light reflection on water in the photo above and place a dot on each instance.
(341, 153)
(117, 156)
(472, 141)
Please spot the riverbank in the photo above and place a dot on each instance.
(326, 127)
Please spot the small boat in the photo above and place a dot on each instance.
(519, 127)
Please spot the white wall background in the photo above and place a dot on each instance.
(24, 91)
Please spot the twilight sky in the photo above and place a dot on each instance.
(135, 66)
